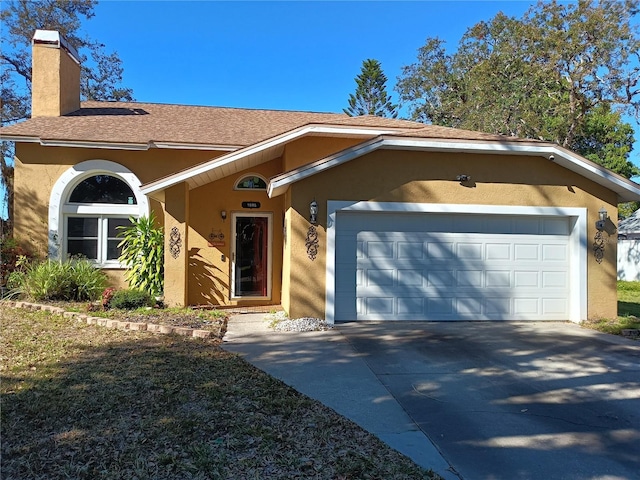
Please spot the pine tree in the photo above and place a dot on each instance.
(371, 96)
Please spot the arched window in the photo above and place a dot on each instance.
(87, 206)
(103, 189)
(251, 182)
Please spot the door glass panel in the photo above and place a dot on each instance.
(250, 272)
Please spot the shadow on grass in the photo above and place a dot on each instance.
(629, 308)
(142, 406)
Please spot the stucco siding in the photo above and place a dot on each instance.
(394, 176)
(210, 273)
(308, 149)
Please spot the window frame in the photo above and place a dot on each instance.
(60, 208)
(247, 175)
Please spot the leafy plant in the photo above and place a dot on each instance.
(143, 254)
(13, 257)
(130, 299)
(107, 295)
(76, 280)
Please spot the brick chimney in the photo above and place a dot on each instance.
(55, 75)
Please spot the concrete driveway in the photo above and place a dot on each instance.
(516, 400)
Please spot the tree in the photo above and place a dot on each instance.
(563, 73)
(371, 96)
(100, 77)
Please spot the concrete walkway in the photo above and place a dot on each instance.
(325, 367)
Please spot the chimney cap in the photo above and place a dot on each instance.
(54, 39)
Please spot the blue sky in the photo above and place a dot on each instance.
(281, 55)
(294, 55)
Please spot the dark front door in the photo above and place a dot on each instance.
(251, 251)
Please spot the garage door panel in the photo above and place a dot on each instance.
(441, 250)
(517, 268)
(469, 251)
(410, 306)
(498, 251)
(469, 278)
(552, 306)
(411, 250)
(410, 278)
(498, 278)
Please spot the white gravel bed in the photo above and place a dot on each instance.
(281, 323)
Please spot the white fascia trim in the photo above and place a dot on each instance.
(120, 146)
(561, 156)
(253, 149)
(577, 240)
(196, 146)
(89, 144)
(12, 138)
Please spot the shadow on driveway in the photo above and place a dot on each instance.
(515, 400)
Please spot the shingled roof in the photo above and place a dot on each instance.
(146, 124)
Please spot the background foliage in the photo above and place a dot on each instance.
(564, 73)
(101, 75)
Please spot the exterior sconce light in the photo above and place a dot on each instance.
(313, 212)
(223, 215)
(603, 224)
(602, 219)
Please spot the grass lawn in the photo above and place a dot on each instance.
(628, 311)
(86, 402)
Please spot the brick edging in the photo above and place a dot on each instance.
(111, 323)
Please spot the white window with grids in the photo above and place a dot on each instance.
(88, 205)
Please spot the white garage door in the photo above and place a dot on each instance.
(451, 267)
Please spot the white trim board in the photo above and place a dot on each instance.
(577, 240)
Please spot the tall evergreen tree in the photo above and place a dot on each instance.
(100, 77)
(371, 96)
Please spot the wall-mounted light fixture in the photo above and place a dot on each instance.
(223, 215)
(313, 212)
(602, 219)
(463, 178)
(603, 224)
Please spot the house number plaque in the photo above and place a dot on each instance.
(250, 204)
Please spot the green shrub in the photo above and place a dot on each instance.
(76, 280)
(130, 299)
(143, 254)
(13, 258)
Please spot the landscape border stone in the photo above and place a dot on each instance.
(111, 323)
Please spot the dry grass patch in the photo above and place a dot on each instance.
(83, 401)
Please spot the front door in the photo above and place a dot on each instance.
(251, 256)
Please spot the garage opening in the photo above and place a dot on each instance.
(454, 266)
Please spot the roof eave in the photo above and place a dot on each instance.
(204, 169)
(626, 189)
(45, 142)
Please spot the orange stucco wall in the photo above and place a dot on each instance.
(298, 282)
(210, 266)
(38, 168)
(308, 149)
(394, 176)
